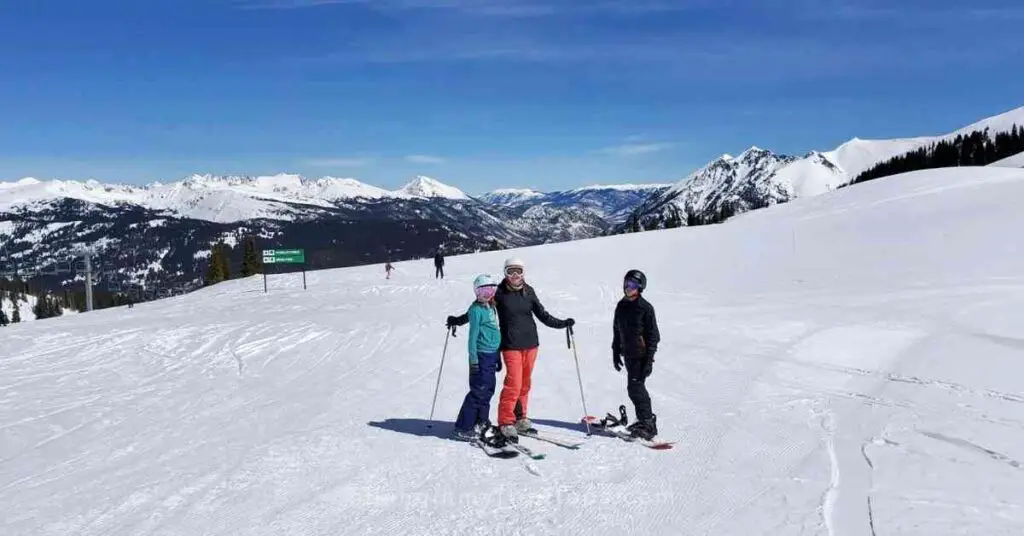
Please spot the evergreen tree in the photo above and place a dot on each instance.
(16, 317)
(3, 317)
(47, 307)
(219, 269)
(225, 261)
(250, 259)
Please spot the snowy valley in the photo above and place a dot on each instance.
(844, 364)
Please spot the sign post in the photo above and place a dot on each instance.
(284, 256)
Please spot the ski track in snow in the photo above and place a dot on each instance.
(842, 386)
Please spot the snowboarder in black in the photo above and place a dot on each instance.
(635, 337)
(438, 265)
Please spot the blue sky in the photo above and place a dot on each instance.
(483, 93)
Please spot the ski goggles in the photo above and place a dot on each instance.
(630, 284)
(513, 270)
(486, 292)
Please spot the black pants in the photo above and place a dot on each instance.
(637, 389)
(439, 272)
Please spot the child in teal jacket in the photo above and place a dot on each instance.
(484, 363)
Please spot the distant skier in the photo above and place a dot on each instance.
(438, 265)
(484, 340)
(517, 303)
(388, 269)
(635, 335)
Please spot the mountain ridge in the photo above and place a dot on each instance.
(729, 185)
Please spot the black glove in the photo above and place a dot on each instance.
(617, 362)
(452, 321)
(648, 367)
(570, 322)
(499, 364)
(474, 368)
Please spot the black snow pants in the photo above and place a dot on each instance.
(637, 388)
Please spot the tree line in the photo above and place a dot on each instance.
(220, 262)
(974, 149)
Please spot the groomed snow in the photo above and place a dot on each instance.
(846, 364)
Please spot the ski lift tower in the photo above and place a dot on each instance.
(86, 253)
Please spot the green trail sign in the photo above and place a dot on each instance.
(284, 256)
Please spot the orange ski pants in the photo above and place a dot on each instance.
(515, 394)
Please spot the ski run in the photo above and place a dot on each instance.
(848, 364)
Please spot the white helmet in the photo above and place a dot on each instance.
(514, 261)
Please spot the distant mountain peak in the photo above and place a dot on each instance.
(423, 186)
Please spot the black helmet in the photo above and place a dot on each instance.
(638, 277)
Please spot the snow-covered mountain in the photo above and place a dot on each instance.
(511, 197)
(546, 223)
(613, 203)
(759, 178)
(426, 187)
(221, 199)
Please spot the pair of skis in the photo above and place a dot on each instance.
(496, 446)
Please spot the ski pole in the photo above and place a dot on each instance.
(571, 340)
(447, 334)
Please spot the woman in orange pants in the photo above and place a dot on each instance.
(517, 304)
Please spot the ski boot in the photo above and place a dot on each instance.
(464, 435)
(524, 426)
(646, 429)
(509, 432)
(490, 435)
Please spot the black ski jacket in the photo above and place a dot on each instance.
(438, 260)
(635, 333)
(516, 309)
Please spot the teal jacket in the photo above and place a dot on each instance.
(484, 335)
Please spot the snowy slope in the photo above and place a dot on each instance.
(857, 155)
(706, 191)
(845, 364)
(1015, 161)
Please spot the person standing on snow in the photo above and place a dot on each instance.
(388, 269)
(635, 335)
(483, 340)
(517, 304)
(438, 265)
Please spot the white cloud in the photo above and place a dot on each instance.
(337, 162)
(424, 159)
(635, 149)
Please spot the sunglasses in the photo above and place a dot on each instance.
(513, 271)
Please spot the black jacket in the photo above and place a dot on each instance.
(516, 309)
(635, 334)
(438, 260)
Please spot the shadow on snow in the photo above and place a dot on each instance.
(416, 427)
